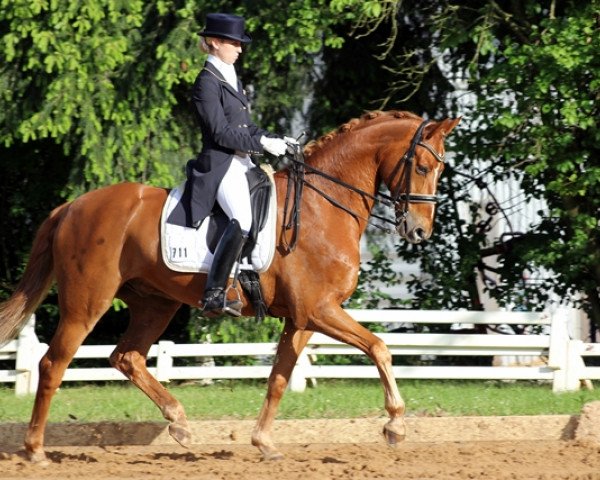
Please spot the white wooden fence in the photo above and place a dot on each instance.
(560, 359)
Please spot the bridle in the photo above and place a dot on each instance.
(404, 194)
(297, 181)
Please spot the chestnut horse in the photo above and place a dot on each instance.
(106, 244)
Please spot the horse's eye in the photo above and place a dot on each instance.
(422, 170)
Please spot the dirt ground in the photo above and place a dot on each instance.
(543, 460)
(490, 448)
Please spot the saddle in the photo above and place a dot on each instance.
(187, 249)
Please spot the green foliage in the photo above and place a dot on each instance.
(532, 71)
(228, 329)
(231, 330)
(108, 80)
(547, 136)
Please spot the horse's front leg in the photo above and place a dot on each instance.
(291, 343)
(336, 323)
(395, 429)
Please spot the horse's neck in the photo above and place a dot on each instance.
(354, 166)
(356, 169)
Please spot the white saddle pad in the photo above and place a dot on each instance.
(185, 249)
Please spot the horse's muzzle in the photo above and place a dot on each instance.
(417, 235)
(412, 233)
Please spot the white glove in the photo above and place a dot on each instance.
(290, 140)
(275, 146)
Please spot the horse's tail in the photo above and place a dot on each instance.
(35, 282)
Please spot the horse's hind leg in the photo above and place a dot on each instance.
(149, 316)
(72, 329)
(336, 323)
(291, 344)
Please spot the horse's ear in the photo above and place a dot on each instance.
(443, 128)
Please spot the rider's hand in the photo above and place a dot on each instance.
(275, 146)
(290, 141)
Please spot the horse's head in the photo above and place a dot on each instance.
(411, 167)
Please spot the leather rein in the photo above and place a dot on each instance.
(297, 180)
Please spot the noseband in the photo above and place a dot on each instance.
(402, 193)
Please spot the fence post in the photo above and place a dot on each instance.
(575, 366)
(298, 378)
(564, 355)
(27, 359)
(164, 361)
(557, 355)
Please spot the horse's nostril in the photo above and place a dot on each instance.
(419, 234)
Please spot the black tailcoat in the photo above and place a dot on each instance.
(226, 129)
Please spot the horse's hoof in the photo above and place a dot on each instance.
(272, 455)
(38, 458)
(393, 439)
(394, 432)
(268, 451)
(180, 434)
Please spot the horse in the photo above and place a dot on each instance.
(105, 244)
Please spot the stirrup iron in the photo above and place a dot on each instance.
(232, 307)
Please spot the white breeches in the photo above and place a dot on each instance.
(233, 194)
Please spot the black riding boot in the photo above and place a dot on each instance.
(227, 252)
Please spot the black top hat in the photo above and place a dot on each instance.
(226, 25)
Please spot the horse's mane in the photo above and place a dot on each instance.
(354, 124)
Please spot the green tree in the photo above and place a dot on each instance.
(109, 80)
(547, 136)
(532, 68)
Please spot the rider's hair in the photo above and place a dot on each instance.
(206, 44)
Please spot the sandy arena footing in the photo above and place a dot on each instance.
(558, 447)
(358, 430)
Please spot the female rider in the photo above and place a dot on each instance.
(228, 137)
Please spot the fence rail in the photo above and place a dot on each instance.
(558, 358)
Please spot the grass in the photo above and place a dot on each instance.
(331, 399)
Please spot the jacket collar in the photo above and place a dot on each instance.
(239, 93)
